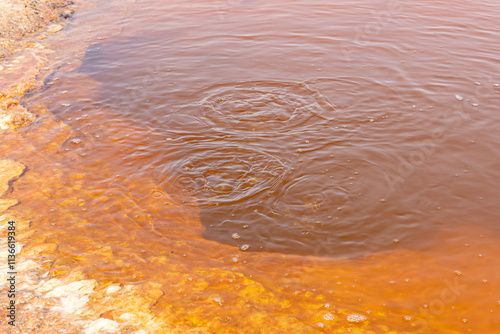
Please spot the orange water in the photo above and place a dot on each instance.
(295, 162)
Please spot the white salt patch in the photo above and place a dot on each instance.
(74, 288)
(72, 304)
(113, 289)
(102, 326)
(127, 316)
(74, 296)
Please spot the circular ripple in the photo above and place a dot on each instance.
(226, 175)
(311, 193)
(265, 105)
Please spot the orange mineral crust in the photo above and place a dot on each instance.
(259, 167)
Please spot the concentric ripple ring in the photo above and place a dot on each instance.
(265, 105)
(226, 174)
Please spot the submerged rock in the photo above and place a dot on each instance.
(9, 171)
(15, 118)
(7, 203)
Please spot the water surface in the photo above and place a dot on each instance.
(349, 144)
(288, 132)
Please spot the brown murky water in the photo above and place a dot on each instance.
(295, 162)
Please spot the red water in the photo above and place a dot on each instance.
(341, 158)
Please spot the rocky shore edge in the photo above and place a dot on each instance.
(73, 302)
(23, 25)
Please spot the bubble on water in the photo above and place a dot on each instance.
(475, 104)
(328, 317)
(157, 194)
(320, 325)
(458, 273)
(244, 247)
(76, 141)
(356, 318)
(235, 236)
(408, 318)
(327, 305)
(458, 97)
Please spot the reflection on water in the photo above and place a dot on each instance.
(299, 166)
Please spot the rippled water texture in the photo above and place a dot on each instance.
(343, 130)
(243, 108)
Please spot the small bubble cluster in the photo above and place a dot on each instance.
(356, 318)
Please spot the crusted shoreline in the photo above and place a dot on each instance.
(23, 24)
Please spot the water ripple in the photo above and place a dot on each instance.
(226, 174)
(265, 105)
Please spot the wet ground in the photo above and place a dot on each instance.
(23, 25)
(272, 167)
